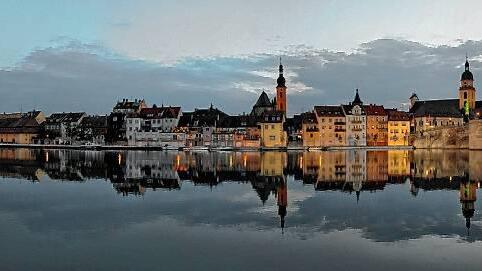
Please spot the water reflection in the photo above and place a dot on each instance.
(346, 177)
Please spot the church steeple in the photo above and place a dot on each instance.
(467, 91)
(357, 100)
(281, 103)
(281, 79)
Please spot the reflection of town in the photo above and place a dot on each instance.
(352, 172)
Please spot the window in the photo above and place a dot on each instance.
(272, 137)
(272, 126)
(465, 95)
(311, 135)
(266, 126)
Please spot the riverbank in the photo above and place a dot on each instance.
(194, 149)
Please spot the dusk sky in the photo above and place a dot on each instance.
(85, 55)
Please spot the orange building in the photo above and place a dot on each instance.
(377, 125)
(20, 128)
(377, 166)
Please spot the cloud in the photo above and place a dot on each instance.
(87, 77)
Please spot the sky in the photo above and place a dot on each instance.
(62, 55)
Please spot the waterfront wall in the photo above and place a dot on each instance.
(456, 137)
(475, 132)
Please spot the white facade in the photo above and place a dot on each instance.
(147, 130)
(355, 126)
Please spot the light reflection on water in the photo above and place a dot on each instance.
(239, 210)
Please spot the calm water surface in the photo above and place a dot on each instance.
(350, 210)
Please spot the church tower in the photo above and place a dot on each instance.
(281, 91)
(467, 90)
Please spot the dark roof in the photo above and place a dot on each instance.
(395, 115)
(281, 80)
(357, 100)
(309, 117)
(467, 75)
(171, 112)
(374, 110)
(293, 123)
(157, 112)
(436, 108)
(202, 118)
(263, 101)
(94, 122)
(65, 117)
(272, 117)
(23, 122)
(329, 111)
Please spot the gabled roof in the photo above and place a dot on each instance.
(437, 108)
(171, 112)
(263, 100)
(25, 122)
(329, 111)
(348, 107)
(209, 117)
(395, 115)
(309, 118)
(65, 117)
(374, 110)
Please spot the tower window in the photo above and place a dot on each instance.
(465, 95)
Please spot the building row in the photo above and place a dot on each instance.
(134, 123)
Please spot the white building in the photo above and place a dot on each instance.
(356, 133)
(155, 127)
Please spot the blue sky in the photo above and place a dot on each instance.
(225, 38)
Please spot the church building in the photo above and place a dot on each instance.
(431, 114)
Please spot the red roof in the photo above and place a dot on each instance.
(375, 110)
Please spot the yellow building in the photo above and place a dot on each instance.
(272, 130)
(310, 131)
(398, 128)
(272, 164)
(20, 128)
(332, 125)
(398, 163)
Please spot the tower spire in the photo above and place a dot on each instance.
(280, 66)
(467, 66)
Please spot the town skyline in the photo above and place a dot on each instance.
(402, 104)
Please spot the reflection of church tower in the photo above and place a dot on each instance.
(468, 196)
(282, 195)
(281, 91)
